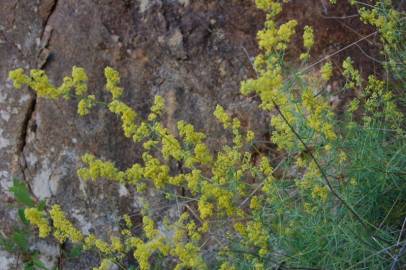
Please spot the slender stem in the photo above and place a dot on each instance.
(365, 223)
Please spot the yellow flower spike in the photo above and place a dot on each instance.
(205, 208)
(86, 104)
(308, 37)
(89, 241)
(202, 153)
(158, 106)
(149, 228)
(116, 244)
(102, 246)
(352, 75)
(128, 117)
(222, 116)
(63, 228)
(37, 218)
(79, 80)
(326, 71)
(188, 133)
(19, 78)
(112, 81)
(265, 166)
(255, 203)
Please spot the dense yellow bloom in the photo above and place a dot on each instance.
(112, 81)
(39, 82)
(155, 171)
(99, 169)
(272, 38)
(254, 203)
(157, 108)
(188, 133)
(79, 80)
(205, 208)
(63, 228)
(326, 71)
(116, 244)
(128, 116)
(142, 132)
(89, 241)
(19, 78)
(171, 147)
(308, 37)
(128, 221)
(102, 246)
(193, 180)
(202, 153)
(86, 104)
(222, 116)
(149, 228)
(37, 218)
(352, 75)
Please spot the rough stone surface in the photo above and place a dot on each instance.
(194, 53)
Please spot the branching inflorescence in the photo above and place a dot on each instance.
(234, 205)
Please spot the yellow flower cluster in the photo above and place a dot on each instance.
(99, 169)
(222, 116)
(352, 75)
(63, 227)
(144, 250)
(86, 104)
(319, 114)
(112, 81)
(38, 219)
(380, 103)
(157, 108)
(387, 22)
(79, 80)
(128, 116)
(39, 82)
(188, 133)
(273, 38)
(326, 71)
(308, 41)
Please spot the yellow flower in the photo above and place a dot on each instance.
(326, 71)
(116, 244)
(222, 116)
(37, 218)
(205, 208)
(308, 37)
(254, 203)
(112, 81)
(85, 104)
(320, 192)
(79, 80)
(63, 228)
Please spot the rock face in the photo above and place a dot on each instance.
(194, 53)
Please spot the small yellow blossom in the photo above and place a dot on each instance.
(63, 228)
(37, 218)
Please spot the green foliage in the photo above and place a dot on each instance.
(21, 193)
(18, 242)
(334, 199)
